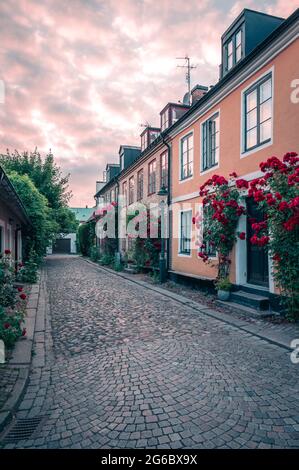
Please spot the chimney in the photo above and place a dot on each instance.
(198, 92)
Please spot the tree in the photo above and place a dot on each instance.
(44, 227)
(47, 178)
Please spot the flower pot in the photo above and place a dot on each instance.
(223, 295)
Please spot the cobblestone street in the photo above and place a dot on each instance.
(128, 367)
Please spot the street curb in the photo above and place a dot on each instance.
(205, 310)
(22, 356)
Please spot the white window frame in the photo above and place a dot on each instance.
(189, 133)
(213, 168)
(243, 152)
(184, 255)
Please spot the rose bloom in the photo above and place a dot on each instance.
(242, 236)
(7, 252)
(23, 296)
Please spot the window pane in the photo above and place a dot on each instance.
(251, 119)
(265, 130)
(251, 101)
(251, 138)
(266, 110)
(238, 38)
(184, 145)
(230, 47)
(265, 91)
(229, 62)
(238, 53)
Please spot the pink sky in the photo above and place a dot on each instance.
(81, 76)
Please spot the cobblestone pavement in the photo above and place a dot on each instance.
(129, 367)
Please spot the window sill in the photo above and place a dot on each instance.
(185, 179)
(208, 170)
(246, 153)
(184, 255)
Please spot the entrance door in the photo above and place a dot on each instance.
(62, 245)
(257, 257)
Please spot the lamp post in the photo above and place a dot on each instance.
(162, 260)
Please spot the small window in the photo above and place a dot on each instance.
(258, 114)
(185, 232)
(164, 169)
(233, 50)
(131, 189)
(140, 185)
(143, 141)
(152, 177)
(187, 156)
(165, 120)
(210, 142)
(153, 136)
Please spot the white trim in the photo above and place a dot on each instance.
(185, 255)
(201, 172)
(180, 156)
(251, 69)
(185, 197)
(271, 277)
(9, 237)
(241, 251)
(243, 152)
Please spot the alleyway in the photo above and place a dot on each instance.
(127, 367)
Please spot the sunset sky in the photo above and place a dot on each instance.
(81, 76)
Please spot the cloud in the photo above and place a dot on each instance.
(80, 77)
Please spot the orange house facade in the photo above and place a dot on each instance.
(248, 116)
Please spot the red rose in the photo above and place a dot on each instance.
(7, 252)
(24, 332)
(223, 238)
(242, 235)
(283, 206)
(193, 220)
(278, 196)
(20, 289)
(259, 196)
(6, 325)
(233, 174)
(23, 296)
(277, 258)
(294, 202)
(241, 183)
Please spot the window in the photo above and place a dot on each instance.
(210, 142)
(121, 161)
(187, 156)
(112, 195)
(153, 136)
(165, 120)
(164, 169)
(209, 247)
(258, 114)
(131, 189)
(125, 192)
(175, 116)
(152, 177)
(143, 141)
(185, 232)
(140, 185)
(233, 50)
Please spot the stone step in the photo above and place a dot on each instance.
(249, 311)
(259, 302)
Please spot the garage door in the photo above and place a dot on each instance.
(62, 245)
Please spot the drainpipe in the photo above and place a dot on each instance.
(168, 197)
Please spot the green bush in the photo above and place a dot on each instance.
(107, 259)
(94, 254)
(7, 291)
(10, 327)
(28, 271)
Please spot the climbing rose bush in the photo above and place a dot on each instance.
(277, 195)
(222, 209)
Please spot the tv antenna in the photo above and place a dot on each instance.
(189, 67)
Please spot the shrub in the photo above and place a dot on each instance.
(107, 259)
(94, 253)
(28, 271)
(223, 284)
(10, 327)
(7, 291)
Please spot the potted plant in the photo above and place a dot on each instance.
(223, 286)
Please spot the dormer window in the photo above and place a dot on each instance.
(148, 136)
(165, 120)
(233, 50)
